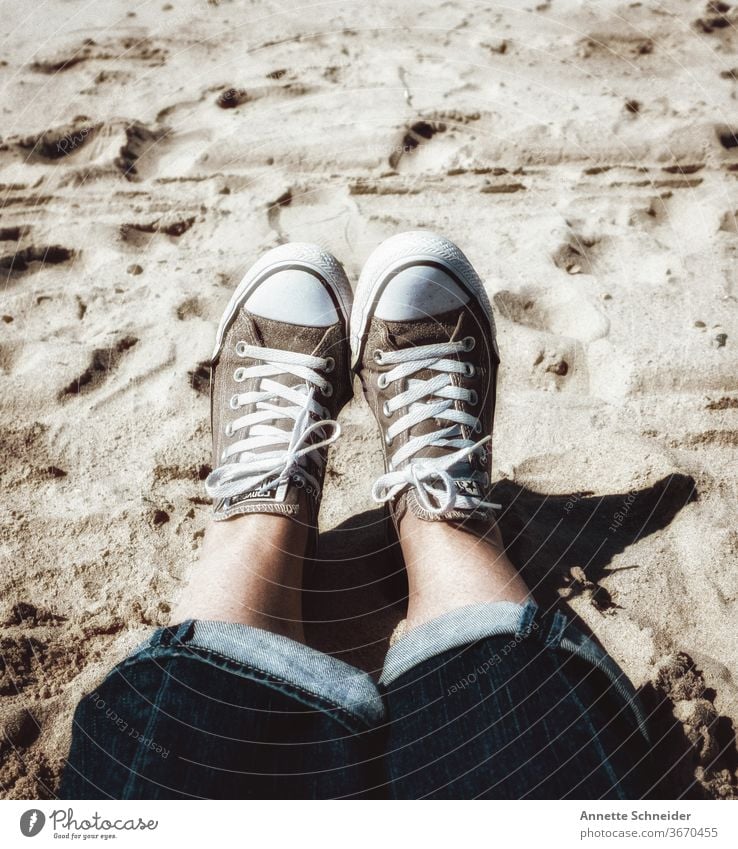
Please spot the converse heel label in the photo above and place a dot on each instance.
(274, 493)
(468, 488)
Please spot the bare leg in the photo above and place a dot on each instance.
(250, 571)
(450, 567)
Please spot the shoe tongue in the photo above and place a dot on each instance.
(413, 334)
(426, 331)
(285, 337)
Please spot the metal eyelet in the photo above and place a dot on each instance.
(478, 427)
(299, 481)
(241, 348)
(330, 364)
(386, 410)
(326, 413)
(387, 439)
(233, 403)
(469, 342)
(469, 370)
(485, 480)
(377, 357)
(239, 375)
(382, 381)
(327, 390)
(228, 430)
(473, 397)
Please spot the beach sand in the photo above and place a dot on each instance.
(584, 156)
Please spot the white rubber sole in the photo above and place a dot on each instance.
(294, 254)
(416, 247)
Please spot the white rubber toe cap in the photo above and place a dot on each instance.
(418, 292)
(294, 296)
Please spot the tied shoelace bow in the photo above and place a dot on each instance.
(435, 398)
(268, 455)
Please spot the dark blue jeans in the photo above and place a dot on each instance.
(492, 701)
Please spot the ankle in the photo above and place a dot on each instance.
(421, 539)
(250, 572)
(244, 536)
(451, 566)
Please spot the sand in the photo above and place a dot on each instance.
(584, 157)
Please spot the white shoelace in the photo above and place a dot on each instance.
(429, 476)
(259, 471)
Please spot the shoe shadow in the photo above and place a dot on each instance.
(356, 588)
(548, 536)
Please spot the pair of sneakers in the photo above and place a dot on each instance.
(420, 334)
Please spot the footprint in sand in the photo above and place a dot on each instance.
(576, 255)
(560, 312)
(33, 258)
(57, 142)
(93, 149)
(103, 363)
(418, 134)
(139, 234)
(129, 48)
(413, 137)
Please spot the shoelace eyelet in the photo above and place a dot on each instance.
(382, 381)
(326, 413)
(233, 403)
(469, 342)
(387, 439)
(469, 370)
(330, 364)
(327, 390)
(478, 427)
(386, 410)
(239, 375)
(240, 348)
(228, 430)
(377, 356)
(473, 397)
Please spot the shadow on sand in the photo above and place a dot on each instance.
(355, 589)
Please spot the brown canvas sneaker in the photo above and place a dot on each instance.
(280, 374)
(423, 344)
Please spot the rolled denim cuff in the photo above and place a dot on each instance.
(453, 630)
(477, 622)
(308, 674)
